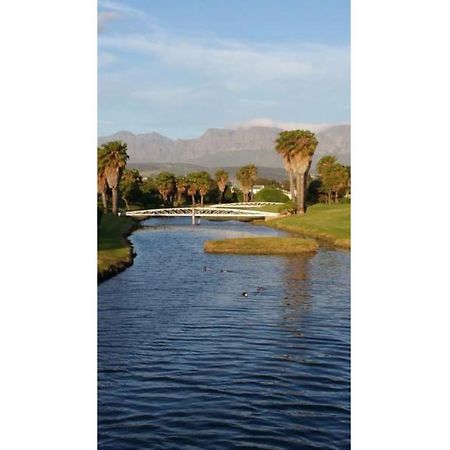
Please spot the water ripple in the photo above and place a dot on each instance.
(186, 362)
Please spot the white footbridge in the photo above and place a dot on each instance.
(225, 210)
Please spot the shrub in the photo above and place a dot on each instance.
(271, 195)
(288, 208)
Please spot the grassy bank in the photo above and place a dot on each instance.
(114, 251)
(262, 246)
(329, 222)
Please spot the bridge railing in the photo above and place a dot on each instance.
(200, 212)
(245, 205)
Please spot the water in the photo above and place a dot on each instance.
(187, 362)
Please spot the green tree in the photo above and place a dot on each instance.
(181, 185)
(221, 178)
(349, 181)
(298, 147)
(283, 146)
(334, 177)
(102, 184)
(130, 186)
(113, 158)
(246, 176)
(325, 168)
(192, 180)
(341, 179)
(166, 184)
(204, 184)
(150, 193)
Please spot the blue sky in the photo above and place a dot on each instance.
(178, 67)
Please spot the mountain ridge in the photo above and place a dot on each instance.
(227, 147)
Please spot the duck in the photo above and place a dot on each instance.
(244, 294)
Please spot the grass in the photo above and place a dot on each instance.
(114, 252)
(262, 246)
(268, 208)
(329, 222)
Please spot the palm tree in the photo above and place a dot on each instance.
(204, 185)
(282, 147)
(246, 176)
(130, 184)
(252, 174)
(181, 185)
(300, 145)
(192, 187)
(102, 185)
(165, 182)
(113, 157)
(221, 178)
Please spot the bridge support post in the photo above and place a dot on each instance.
(193, 216)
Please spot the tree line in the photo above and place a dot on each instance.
(117, 184)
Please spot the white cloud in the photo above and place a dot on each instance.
(237, 65)
(202, 81)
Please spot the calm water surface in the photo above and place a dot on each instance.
(187, 362)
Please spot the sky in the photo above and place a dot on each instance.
(180, 67)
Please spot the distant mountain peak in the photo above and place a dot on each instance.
(244, 144)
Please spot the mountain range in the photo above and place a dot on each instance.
(226, 147)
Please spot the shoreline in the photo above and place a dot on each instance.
(295, 225)
(313, 230)
(118, 264)
(341, 243)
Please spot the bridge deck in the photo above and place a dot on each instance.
(201, 212)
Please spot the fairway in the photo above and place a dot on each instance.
(329, 222)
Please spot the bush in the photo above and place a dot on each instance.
(271, 195)
(288, 208)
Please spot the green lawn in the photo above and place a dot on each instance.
(268, 208)
(330, 222)
(262, 246)
(113, 250)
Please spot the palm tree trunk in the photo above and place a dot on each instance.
(201, 200)
(221, 196)
(114, 201)
(336, 196)
(291, 185)
(329, 198)
(105, 202)
(300, 193)
(126, 203)
(193, 200)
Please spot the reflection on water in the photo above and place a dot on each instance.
(185, 361)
